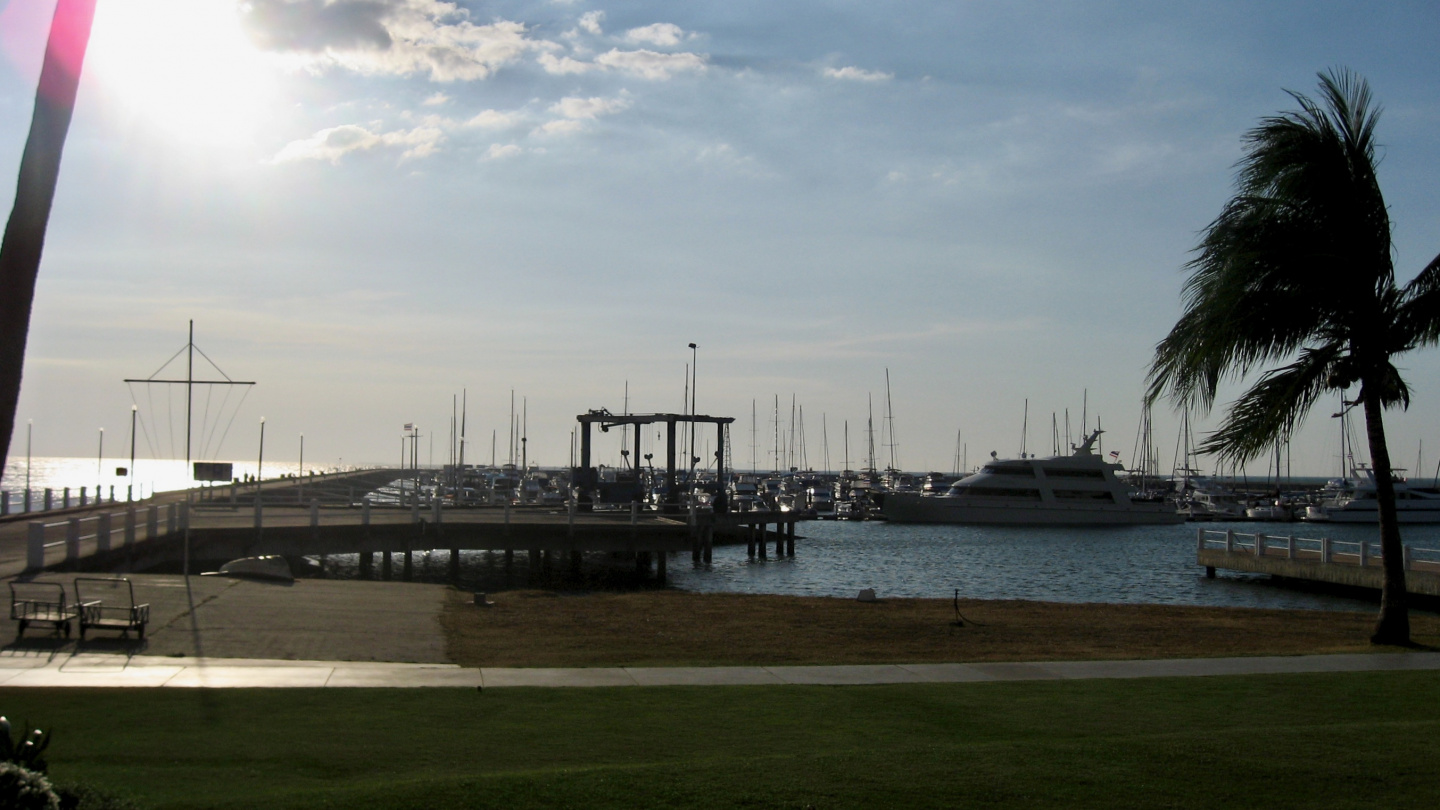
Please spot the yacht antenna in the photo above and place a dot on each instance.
(825, 440)
(890, 422)
(753, 466)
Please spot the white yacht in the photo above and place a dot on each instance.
(1412, 505)
(1078, 489)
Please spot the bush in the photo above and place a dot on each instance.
(24, 789)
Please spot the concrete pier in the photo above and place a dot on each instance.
(1350, 564)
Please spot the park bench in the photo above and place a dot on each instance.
(108, 603)
(32, 602)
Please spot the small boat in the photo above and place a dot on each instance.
(1362, 505)
(270, 567)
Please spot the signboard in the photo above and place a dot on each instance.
(214, 471)
(122, 471)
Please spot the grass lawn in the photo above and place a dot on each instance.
(532, 628)
(1325, 740)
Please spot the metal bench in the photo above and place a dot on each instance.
(108, 603)
(44, 602)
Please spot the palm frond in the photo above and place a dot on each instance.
(1418, 321)
(1268, 412)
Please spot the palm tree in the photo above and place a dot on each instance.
(34, 192)
(1297, 269)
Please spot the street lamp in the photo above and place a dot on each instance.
(130, 487)
(100, 458)
(694, 360)
(260, 462)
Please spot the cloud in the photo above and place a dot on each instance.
(501, 151)
(575, 107)
(590, 21)
(662, 34)
(388, 37)
(855, 74)
(336, 142)
(436, 100)
(493, 119)
(565, 65)
(650, 64)
(575, 111)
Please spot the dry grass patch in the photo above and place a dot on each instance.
(673, 628)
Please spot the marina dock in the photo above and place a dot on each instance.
(1350, 564)
(325, 515)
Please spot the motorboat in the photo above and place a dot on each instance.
(1361, 504)
(1078, 489)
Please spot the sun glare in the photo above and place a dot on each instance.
(183, 67)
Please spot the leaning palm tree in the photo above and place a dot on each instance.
(1297, 270)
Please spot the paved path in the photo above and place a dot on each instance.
(21, 669)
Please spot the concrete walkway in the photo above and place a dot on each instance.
(18, 669)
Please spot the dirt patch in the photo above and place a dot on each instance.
(669, 628)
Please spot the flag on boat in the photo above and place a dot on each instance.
(1115, 455)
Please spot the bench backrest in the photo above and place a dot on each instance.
(109, 590)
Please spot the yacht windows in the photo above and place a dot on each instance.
(1102, 495)
(998, 492)
(1052, 472)
(1023, 470)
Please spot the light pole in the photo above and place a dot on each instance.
(260, 462)
(694, 359)
(100, 458)
(130, 487)
(302, 456)
(29, 431)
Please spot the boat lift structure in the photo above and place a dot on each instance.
(586, 477)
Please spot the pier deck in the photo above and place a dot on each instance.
(1351, 564)
(221, 525)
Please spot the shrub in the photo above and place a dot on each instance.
(23, 789)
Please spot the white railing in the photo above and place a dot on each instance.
(23, 502)
(104, 528)
(1357, 552)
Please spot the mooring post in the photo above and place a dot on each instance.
(409, 567)
(660, 567)
(152, 522)
(386, 566)
(72, 541)
(763, 543)
(1259, 545)
(4, 502)
(28, 496)
(1364, 553)
(35, 551)
(507, 517)
(1325, 550)
(1229, 541)
(1408, 558)
(454, 564)
(415, 510)
(709, 544)
(750, 541)
(1199, 539)
(83, 493)
(1290, 548)
(102, 533)
(49, 499)
(790, 540)
(65, 501)
(437, 511)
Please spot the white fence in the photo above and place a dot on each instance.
(1324, 549)
(109, 530)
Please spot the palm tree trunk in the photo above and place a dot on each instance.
(34, 192)
(1393, 624)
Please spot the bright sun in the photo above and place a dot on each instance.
(183, 67)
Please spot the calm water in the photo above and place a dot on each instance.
(1141, 564)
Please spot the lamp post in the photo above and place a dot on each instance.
(694, 359)
(130, 487)
(260, 462)
(302, 456)
(100, 458)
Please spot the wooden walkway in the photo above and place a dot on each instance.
(1349, 563)
(220, 526)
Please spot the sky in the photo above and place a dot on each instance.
(370, 206)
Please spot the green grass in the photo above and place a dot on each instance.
(1264, 741)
